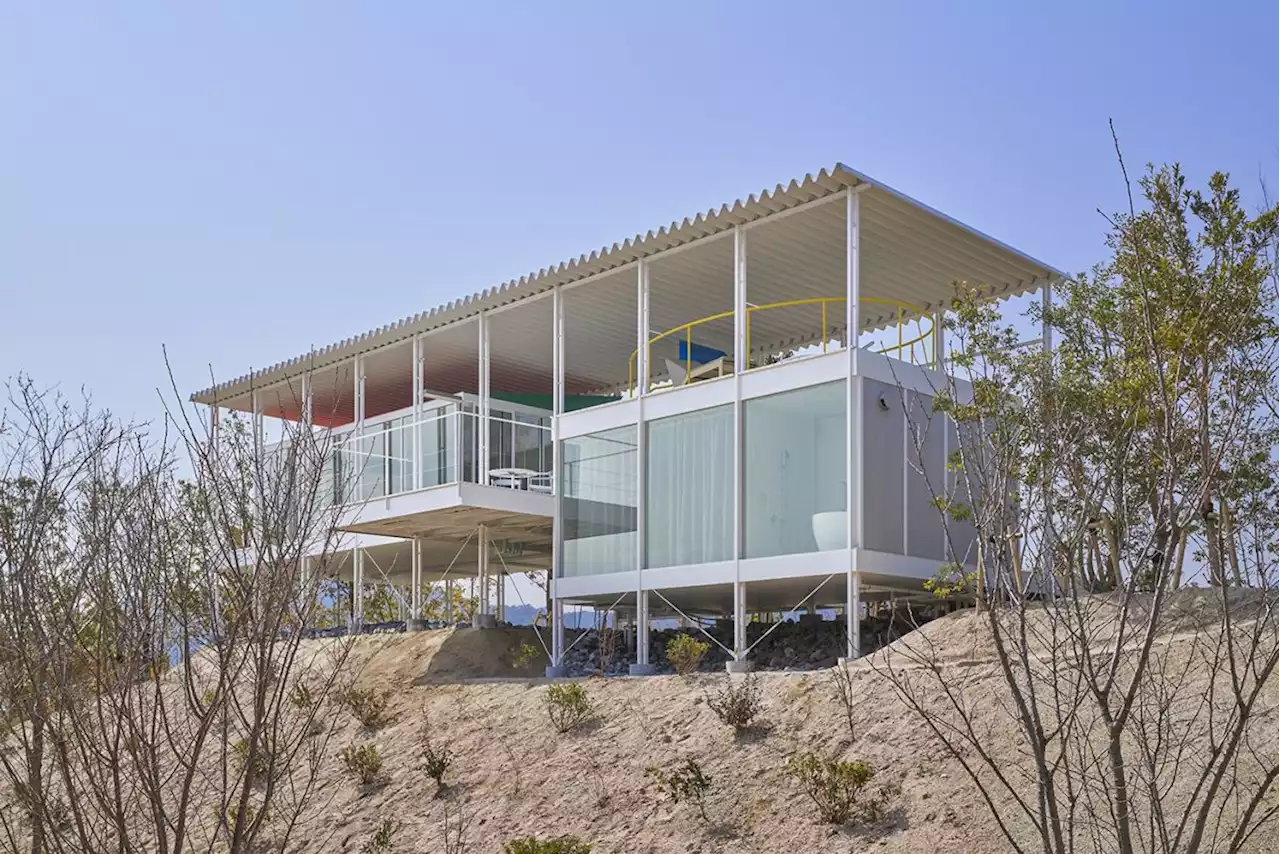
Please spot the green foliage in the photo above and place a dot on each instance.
(737, 702)
(568, 706)
(383, 838)
(370, 707)
(952, 580)
(363, 763)
(559, 845)
(302, 697)
(526, 656)
(685, 652)
(436, 761)
(260, 766)
(833, 785)
(686, 783)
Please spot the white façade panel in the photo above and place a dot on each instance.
(704, 394)
(785, 376)
(597, 419)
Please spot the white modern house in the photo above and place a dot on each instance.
(703, 420)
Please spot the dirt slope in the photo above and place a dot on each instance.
(513, 775)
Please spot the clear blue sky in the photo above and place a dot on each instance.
(242, 182)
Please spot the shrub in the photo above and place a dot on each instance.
(382, 838)
(568, 706)
(526, 655)
(436, 761)
(685, 652)
(364, 763)
(302, 697)
(833, 785)
(559, 845)
(736, 704)
(686, 783)
(261, 761)
(368, 706)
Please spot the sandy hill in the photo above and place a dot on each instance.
(514, 775)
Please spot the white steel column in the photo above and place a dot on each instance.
(482, 567)
(939, 341)
(740, 364)
(642, 628)
(416, 440)
(853, 414)
(359, 392)
(739, 624)
(1046, 303)
(853, 616)
(448, 601)
(357, 587)
(641, 666)
(415, 579)
(556, 617)
(482, 444)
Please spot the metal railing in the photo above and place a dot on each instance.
(403, 455)
(904, 344)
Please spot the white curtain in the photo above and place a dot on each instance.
(689, 509)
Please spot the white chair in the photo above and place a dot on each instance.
(541, 482)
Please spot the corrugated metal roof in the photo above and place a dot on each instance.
(1015, 269)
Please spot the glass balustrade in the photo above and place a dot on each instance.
(402, 454)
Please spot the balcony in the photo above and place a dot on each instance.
(433, 476)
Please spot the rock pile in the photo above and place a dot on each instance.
(807, 644)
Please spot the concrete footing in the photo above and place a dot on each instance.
(642, 670)
(742, 666)
(484, 621)
(554, 672)
(415, 625)
(844, 662)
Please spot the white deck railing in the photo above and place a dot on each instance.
(402, 455)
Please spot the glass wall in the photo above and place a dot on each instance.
(598, 508)
(689, 483)
(794, 472)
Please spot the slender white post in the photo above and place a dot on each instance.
(448, 601)
(357, 588)
(482, 570)
(557, 633)
(415, 441)
(415, 579)
(739, 621)
(939, 341)
(853, 616)
(740, 364)
(853, 413)
(642, 328)
(556, 617)
(359, 392)
(642, 629)
(641, 391)
(1046, 303)
(483, 443)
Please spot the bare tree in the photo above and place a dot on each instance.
(159, 690)
(1111, 509)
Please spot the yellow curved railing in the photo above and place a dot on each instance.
(687, 329)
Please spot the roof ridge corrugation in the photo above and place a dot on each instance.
(712, 222)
